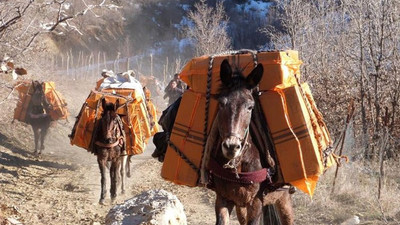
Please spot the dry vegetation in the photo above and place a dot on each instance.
(349, 51)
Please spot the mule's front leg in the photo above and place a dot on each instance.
(36, 137)
(43, 134)
(285, 208)
(223, 209)
(123, 172)
(254, 212)
(114, 175)
(103, 168)
(128, 166)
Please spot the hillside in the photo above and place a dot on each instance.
(349, 51)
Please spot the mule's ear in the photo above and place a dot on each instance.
(116, 105)
(103, 103)
(225, 73)
(255, 76)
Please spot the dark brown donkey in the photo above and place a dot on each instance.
(109, 146)
(238, 176)
(37, 116)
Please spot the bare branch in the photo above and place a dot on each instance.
(16, 18)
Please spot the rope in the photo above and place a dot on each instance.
(207, 106)
(183, 156)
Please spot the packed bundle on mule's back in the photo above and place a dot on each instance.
(132, 109)
(290, 117)
(57, 106)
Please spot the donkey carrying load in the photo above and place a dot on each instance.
(113, 125)
(39, 105)
(259, 134)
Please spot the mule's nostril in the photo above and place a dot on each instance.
(234, 147)
(237, 147)
(108, 140)
(225, 145)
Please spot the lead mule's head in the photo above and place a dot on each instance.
(109, 121)
(236, 103)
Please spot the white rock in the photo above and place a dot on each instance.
(151, 207)
(352, 221)
(14, 221)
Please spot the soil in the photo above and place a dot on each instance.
(62, 186)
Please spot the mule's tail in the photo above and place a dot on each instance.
(270, 216)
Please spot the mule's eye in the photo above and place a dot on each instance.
(223, 102)
(250, 107)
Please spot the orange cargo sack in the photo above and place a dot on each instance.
(142, 123)
(83, 129)
(293, 137)
(187, 136)
(297, 129)
(58, 108)
(279, 68)
(24, 97)
(58, 105)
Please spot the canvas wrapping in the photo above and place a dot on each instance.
(133, 117)
(58, 109)
(297, 129)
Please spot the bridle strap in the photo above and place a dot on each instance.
(234, 134)
(242, 177)
(119, 141)
(120, 138)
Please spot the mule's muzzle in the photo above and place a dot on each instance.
(231, 147)
(109, 141)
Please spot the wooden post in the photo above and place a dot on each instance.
(127, 63)
(73, 64)
(151, 64)
(67, 65)
(166, 69)
(62, 61)
(98, 64)
(105, 61)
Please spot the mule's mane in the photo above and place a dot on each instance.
(109, 107)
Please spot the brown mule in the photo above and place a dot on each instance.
(109, 146)
(237, 173)
(37, 116)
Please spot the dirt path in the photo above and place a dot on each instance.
(63, 185)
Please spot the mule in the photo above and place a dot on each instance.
(238, 176)
(37, 116)
(109, 147)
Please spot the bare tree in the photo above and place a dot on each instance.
(23, 22)
(209, 28)
(350, 49)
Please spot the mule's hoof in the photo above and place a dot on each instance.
(123, 192)
(101, 202)
(113, 200)
(128, 175)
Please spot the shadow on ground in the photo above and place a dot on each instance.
(23, 158)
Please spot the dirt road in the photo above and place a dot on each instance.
(63, 185)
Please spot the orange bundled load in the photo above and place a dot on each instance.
(188, 136)
(298, 132)
(132, 115)
(125, 84)
(142, 127)
(58, 109)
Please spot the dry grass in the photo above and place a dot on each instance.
(356, 194)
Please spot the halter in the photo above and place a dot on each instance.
(120, 137)
(233, 163)
(41, 107)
